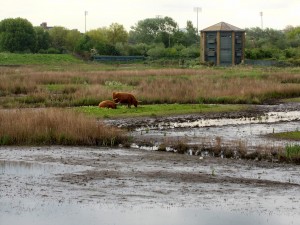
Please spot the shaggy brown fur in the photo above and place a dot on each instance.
(125, 98)
(108, 104)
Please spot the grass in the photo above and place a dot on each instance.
(62, 80)
(37, 59)
(292, 135)
(292, 151)
(292, 100)
(55, 127)
(156, 110)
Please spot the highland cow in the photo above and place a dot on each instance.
(125, 98)
(108, 104)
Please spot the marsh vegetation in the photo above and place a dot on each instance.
(58, 82)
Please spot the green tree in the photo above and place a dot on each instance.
(293, 36)
(17, 35)
(117, 34)
(188, 36)
(58, 37)
(84, 46)
(72, 39)
(42, 39)
(154, 30)
(99, 35)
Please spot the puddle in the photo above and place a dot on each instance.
(69, 214)
(22, 168)
(25, 168)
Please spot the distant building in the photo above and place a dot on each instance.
(44, 25)
(223, 44)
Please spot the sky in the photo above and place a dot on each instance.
(277, 14)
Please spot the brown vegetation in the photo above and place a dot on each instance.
(25, 86)
(54, 126)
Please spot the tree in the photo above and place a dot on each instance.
(42, 39)
(72, 39)
(117, 34)
(293, 36)
(17, 35)
(58, 37)
(154, 30)
(99, 35)
(188, 36)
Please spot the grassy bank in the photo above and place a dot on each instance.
(55, 127)
(11, 59)
(156, 110)
(292, 135)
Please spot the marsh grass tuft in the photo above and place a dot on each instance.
(55, 127)
(292, 154)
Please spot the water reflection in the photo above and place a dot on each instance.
(70, 214)
(271, 117)
(22, 168)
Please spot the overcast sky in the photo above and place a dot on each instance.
(277, 14)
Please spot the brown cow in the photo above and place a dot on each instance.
(108, 104)
(125, 98)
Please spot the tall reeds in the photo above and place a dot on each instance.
(55, 127)
(32, 87)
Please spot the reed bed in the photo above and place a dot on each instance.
(55, 127)
(24, 86)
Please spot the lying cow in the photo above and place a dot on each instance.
(108, 104)
(125, 98)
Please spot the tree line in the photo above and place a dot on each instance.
(158, 37)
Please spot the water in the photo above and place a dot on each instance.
(73, 214)
(32, 193)
(252, 132)
(34, 169)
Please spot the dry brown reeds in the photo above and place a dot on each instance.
(29, 86)
(55, 126)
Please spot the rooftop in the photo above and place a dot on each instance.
(222, 26)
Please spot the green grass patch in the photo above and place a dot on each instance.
(156, 110)
(292, 151)
(292, 100)
(37, 59)
(291, 154)
(293, 135)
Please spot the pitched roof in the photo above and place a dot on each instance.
(222, 26)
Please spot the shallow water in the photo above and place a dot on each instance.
(251, 132)
(23, 168)
(73, 214)
(32, 193)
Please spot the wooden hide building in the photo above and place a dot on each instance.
(223, 44)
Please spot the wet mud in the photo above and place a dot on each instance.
(58, 182)
(249, 129)
(137, 185)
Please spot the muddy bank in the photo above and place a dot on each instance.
(254, 111)
(89, 181)
(243, 132)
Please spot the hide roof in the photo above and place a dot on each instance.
(222, 26)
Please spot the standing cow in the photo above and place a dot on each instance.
(125, 98)
(108, 104)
